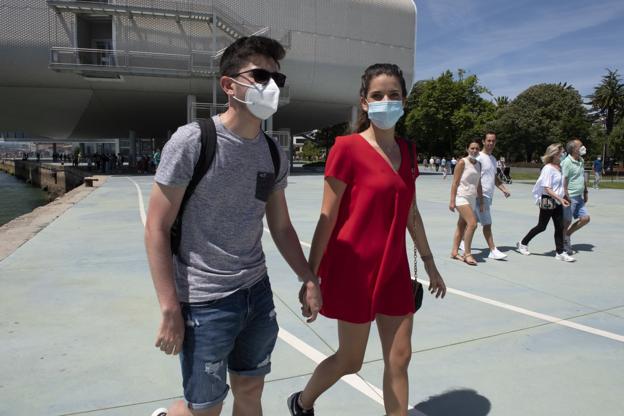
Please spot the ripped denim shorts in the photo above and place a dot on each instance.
(238, 332)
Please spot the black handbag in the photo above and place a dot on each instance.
(547, 202)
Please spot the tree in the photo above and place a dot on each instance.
(443, 114)
(608, 100)
(310, 151)
(540, 115)
(326, 136)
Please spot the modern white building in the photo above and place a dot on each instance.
(90, 70)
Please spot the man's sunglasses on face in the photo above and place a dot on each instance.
(262, 76)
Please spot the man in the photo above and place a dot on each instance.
(215, 297)
(453, 163)
(597, 172)
(575, 186)
(489, 180)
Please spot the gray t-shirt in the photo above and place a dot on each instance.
(220, 248)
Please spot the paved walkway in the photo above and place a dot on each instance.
(526, 336)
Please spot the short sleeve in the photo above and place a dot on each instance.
(549, 178)
(282, 177)
(339, 162)
(565, 168)
(179, 156)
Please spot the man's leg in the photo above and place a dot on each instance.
(578, 210)
(247, 393)
(250, 360)
(489, 238)
(180, 408)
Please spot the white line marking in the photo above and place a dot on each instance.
(141, 205)
(544, 317)
(354, 381)
(537, 315)
(317, 356)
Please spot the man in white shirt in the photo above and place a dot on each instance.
(489, 180)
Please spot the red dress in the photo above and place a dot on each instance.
(364, 270)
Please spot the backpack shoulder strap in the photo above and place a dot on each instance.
(206, 156)
(275, 157)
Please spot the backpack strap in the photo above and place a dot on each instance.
(206, 156)
(275, 157)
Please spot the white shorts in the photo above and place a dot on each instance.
(463, 200)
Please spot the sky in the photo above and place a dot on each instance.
(513, 44)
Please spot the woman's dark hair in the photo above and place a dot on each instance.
(372, 72)
(476, 140)
(237, 54)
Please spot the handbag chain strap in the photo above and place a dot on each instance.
(414, 222)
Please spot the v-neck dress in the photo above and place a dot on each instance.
(364, 270)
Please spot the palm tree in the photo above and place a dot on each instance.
(501, 101)
(608, 98)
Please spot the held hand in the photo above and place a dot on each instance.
(565, 203)
(436, 283)
(311, 300)
(171, 333)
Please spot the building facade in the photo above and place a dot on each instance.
(88, 70)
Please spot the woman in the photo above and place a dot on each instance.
(465, 190)
(549, 195)
(358, 250)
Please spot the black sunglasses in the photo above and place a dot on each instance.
(262, 76)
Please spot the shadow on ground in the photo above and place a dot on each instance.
(464, 402)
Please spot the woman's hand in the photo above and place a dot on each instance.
(311, 299)
(565, 202)
(452, 206)
(436, 283)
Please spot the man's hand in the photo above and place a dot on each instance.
(585, 196)
(171, 333)
(310, 299)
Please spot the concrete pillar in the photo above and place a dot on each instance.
(133, 149)
(190, 100)
(355, 110)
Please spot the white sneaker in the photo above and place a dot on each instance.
(567, 245)
(160, 412)
(523, 249)
(496, 254)
(565, 257)
(461, 245)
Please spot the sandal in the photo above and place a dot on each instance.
(472, 262)
(457, 257)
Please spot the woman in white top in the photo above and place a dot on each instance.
(465, 190)
(549, 195)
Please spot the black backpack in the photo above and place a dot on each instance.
(206, 156)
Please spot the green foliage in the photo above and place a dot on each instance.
(541, 115)
(310, 151)
(608, 99)
(326, 136)
(443, 114)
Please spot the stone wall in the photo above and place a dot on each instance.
(54, 179)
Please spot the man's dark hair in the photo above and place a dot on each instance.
(489, 132)
(238, 53)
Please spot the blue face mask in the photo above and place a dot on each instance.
(385, 114)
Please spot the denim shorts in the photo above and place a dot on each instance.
(576, 209)
(237, 332)
(484, 217)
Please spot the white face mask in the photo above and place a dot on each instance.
(261, 99)
(583, 151)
